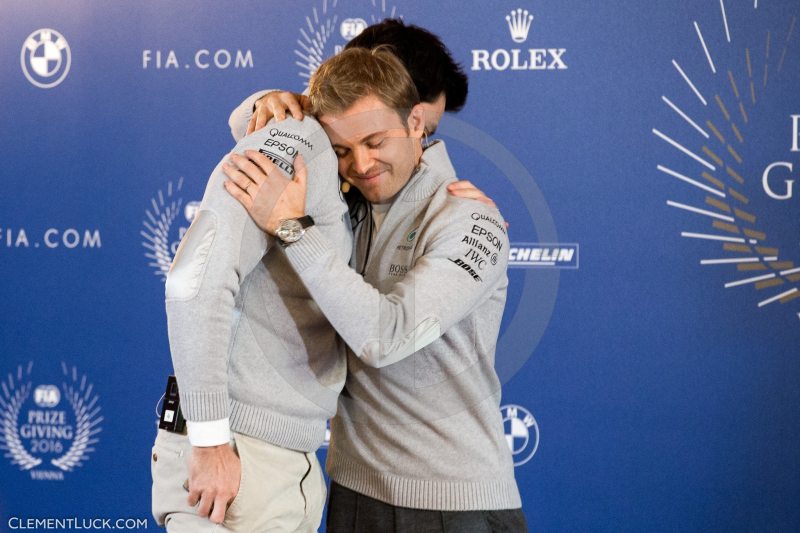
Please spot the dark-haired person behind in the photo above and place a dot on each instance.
(440, 81)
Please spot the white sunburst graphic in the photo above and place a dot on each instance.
(328, 29)
(160, 230)
(716, 196)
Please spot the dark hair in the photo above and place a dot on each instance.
(426, 58)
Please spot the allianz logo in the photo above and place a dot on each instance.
(519, 23)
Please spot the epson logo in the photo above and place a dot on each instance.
(519, 23)
(540, 255)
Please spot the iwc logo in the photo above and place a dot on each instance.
(165, 223)
(729, 146)
(331, 26)
(522, 433)
(45, 58)
(47, 429)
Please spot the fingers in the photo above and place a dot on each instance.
(294, 106)
(279, 102)
(240, 179)
(305, 102)
(461, 185)
(257, 166)
(263, 115)
(206, 501)
(242, 196)
(251, 125)
(252, 166)
(219, 508)
(465, 189)
(194, 496)
(277, 108)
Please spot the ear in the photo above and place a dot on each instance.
(416, 121)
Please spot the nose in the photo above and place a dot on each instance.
(362, 159)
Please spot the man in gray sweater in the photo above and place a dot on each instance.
(233, 304)
(259, 367)
(418, 438)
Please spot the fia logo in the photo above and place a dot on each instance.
(161, 233)
(519, 23)
(45, 58)
(318, 39)
(522, 433)
(352, 28)
(52, 431)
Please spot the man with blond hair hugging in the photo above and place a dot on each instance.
(417, 442)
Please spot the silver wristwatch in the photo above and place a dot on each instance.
(292, 229)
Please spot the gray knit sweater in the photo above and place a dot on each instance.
(419, 423)
(248, 343)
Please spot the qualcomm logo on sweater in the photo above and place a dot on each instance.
(44, 429)
(521, 431)
(519, 24)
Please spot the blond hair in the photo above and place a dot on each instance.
(355, 73)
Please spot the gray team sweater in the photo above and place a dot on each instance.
(247, 341)
(419, 422)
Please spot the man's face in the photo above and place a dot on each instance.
(433, 113)
(377, 150)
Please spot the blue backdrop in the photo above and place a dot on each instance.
(643, 153)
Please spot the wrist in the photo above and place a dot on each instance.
(292, 229)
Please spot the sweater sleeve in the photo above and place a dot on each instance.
(445, 284)
(219, 249)
(242, 114)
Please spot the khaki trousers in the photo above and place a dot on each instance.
(280, 490)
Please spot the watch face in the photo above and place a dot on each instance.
(289, 230)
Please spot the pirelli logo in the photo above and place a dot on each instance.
(543, 255)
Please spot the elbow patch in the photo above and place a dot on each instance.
(186, 273)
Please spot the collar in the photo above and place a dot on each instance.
(434, 169)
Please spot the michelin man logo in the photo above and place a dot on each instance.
(319, 39)
(522, 433)
(45, 58)
(161, 231)
(51, 428)
(519, 24)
